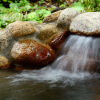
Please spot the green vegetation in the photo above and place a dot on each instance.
(27, 10)
(21, 10)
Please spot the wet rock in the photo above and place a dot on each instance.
(19, 28)
(66, 17)
(56, 40)
(45, 31)
(53, 17)
(86, 24)
(4, 63)
(32, 53)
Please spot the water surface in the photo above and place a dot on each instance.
(43, 86)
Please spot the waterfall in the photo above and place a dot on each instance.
(79, 53)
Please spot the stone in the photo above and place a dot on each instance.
(56, 40)
(86, 24)
(66, 17)
(52, 18)
(19, 28)
(4, 63)
(4, 40)
(31, 53)
(45, 31)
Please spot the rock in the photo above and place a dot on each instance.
(19, 28)
(33, 23)
(56, 40)
(53, 17)
(66, 17)
(4, 63)
(86, 24)
(21, 68)
(4, 40)
(31, 53)
(45, 31)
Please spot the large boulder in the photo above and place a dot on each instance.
(52, 18)
(45, 31)
(86, 24)
(19, 28)
(32, 53)
(4, 63)
(66, 17)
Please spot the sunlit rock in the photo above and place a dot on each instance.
(86, 24)
(4, 63)
(19, 28)
(32, 53)
(66, 17)
(52, 18)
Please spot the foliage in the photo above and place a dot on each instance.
(38, 15)
(21, 11)
(78, 6)
(87, 5)
(35, 11)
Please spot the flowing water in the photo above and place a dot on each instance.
(69, 77)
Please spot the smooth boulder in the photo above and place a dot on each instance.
(86, 24)
(45, 31)
(65, 18)
(4, 63)
(20, 28)
(32, 53)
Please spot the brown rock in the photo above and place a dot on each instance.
(32, 53)
(20, 28)
(4, 63)
(46, 31)
(57, 39)
(53, 17)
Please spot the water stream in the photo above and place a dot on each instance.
(70, 77)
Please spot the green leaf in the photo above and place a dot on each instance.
(78, 6)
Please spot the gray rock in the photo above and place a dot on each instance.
(86, 24)
(4, 40)
(66, 17)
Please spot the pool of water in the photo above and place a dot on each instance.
(49, 84)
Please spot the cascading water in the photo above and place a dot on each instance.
(79, 56)
(67, 78)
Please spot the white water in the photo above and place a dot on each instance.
(77, 55)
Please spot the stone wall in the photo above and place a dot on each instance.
(31, 45)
